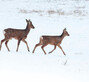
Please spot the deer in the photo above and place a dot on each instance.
(52, 40)
(18, 34)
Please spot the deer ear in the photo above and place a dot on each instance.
(65, 29)
(26, 20)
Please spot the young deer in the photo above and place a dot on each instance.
(19, 34)
(53, 40)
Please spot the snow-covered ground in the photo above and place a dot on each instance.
(49, 17)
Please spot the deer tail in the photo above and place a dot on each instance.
(4, 32)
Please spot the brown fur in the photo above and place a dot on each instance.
(53, 40)
(19, 34)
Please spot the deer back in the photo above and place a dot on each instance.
(51, 39)
(18, 33)
(14, 33)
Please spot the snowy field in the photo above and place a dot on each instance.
(49, 17)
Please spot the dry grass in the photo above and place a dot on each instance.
(40, 12)
(78, 11)
(23, 11)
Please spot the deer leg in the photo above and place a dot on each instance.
(43, 48)
(53, 49)
(36, 47)
(61, 49)
(26, 44)
(18, 45)
(1, 43)
(6, 45)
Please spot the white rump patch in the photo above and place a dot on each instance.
(4, 32)
(41, 37)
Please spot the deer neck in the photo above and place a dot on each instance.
(27, 28)
(62, 36)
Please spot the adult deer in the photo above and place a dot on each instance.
(19, 34)
(53, 40)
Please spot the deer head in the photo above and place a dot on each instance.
(65, 32)
(30, 23)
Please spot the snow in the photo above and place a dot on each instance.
(24, 66)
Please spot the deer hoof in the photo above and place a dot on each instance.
(45, 53)
(65, 54)
(28, 50)
(16, 50)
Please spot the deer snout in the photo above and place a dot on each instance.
(68, 35)
(33, 27)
